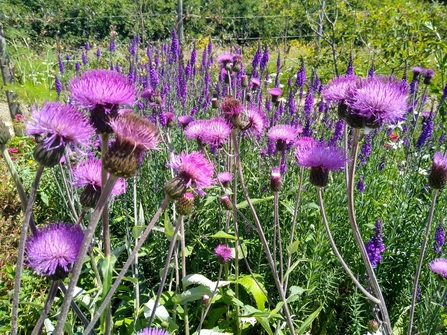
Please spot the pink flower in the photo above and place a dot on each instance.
(439, 266)
(223, 253)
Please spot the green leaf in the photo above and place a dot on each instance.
(309, 320)
(222, 234)
(241, 251)
(141, 216)
(169, 228)
(202, 280)
(44, 198)
(196, 293)
(107, 266)
(137, 231)
(295, 292)
(292, 248)
(244, 204)
(294, 265)
(252, 287)
(161, 312)
(261, 317)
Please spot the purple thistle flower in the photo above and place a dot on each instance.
(88, 172)
(283, 134)
(185, 120)
(318, 154)
(194, 169)
(375, 246)
(417, 70)
(223, 252)
(265, 59)
(57, 85)
(426, 133)
(361, 185)
(438, 174)
(52, 250)
(439, 238)
(377, 100)
(428, 75)
(152, 331)
(224, 177)
(101, 87)
(439, 266)
(225, 58)
(60, 125)
(339, 89)
(61, 64)
(215, 132)
(256, 119)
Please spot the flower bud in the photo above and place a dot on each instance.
(185, 205)
(275, 179)
(438, 174)
(373, 326)
(215, 103)
(205, 299)
(90, 196)
(175, 188)
(226, 203)
(48, 158)
(244, 81)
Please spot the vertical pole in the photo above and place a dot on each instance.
(180, 20)
(7, 75)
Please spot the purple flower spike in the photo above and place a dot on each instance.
(53, 249)
(60, 124)
(439, 266)
(439, 238)
(152, 331)
(195, 170)
(223, 252)
(375, 247)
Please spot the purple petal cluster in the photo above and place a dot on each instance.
(375, 246)
(54, 248)
(284, 132)
(223, 253)
(215, 132)
(88, 172)
(312, 154)
(60, 124)
(101, 87)
(195, 169)
(439, 266)
(257, 121)
(339, 89)
(439, 238)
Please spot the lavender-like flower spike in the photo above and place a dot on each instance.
(439, 238)
(61, 64)
(301, 75)
(338, 132)
(265, 59)
(426, 133)
(309, 103)
(53, 249)
(361, 184)
(375, 246)
(350, 69)
(57, 85)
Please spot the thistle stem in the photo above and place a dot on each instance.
(126, 266)
(263, 239)
(183, 246)
(46, 308)
(358, 237)
(337, 253)
(165, 270)
(77, 267)
(21, 249)
(421, 258)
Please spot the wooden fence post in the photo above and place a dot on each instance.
(7, 75)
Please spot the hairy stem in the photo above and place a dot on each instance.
(46, 308)
(89, 233)
(21, 249)
(127, 265)
(421, 259)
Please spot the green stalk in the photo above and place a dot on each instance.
(46, 308)
(21, 250)
(77, 267)
(126, 265)
(183, 246)
(421, 259)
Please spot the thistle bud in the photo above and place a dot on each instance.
(175, 188)
(275, 179)
(373, 326)
(226, 203)
(205, 299)
(438, 174)
(90, 196)
(215, 103)
(185, 205)
(48, 158)
(244, 81)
